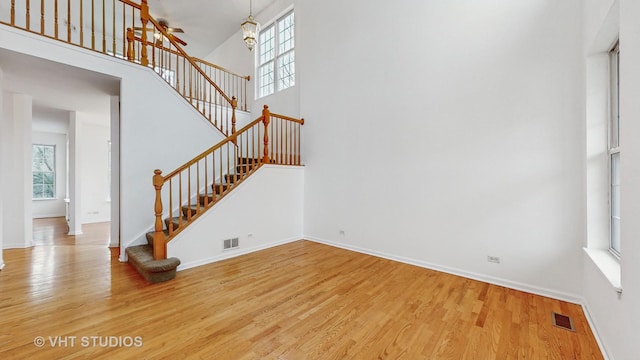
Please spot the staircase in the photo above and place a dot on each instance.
(186, 193)
(118, 28)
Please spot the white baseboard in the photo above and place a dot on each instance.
(594, 330)
(466, 274)
(234, 253)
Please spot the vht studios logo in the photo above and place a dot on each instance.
(88, 341)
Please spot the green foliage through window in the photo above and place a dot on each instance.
(43, 168)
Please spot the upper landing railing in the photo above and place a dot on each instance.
(124, 29)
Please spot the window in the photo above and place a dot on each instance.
(276, 56)
(43, 169)
(614, 152)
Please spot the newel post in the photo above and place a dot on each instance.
(266, 115)
(130, 39)
(144, 17)
(234, 105)
(159, 242)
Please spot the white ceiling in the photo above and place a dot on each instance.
(207, 23)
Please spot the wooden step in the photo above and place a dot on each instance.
(233, 178)
(220, 188)
(209, 197)
(244, 160)
(244, 168)
(190, 210)
(176, 222)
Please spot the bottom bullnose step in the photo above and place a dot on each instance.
(154, 271)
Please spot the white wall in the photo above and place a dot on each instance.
(440, 133)
(93, 168)
(158, 128)
(53, 207)
(274, 219)
(616, 316)
(16, 126)
(2, 154)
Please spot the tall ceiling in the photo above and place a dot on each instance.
(207, 23)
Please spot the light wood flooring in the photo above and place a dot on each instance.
(301, 300)
(52, 231)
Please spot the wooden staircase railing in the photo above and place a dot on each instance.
(199, 184)
(124, 29)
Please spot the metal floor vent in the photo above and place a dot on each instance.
(562, 321)
(230, 244)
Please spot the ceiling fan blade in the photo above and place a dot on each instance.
(175, 30)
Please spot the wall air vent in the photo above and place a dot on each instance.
(562, 321)
(230, 244)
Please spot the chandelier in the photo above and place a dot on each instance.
(250, 28)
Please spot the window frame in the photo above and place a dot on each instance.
(274, 61)
(613, 151)
(53, 173)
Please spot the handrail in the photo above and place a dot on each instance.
(247, 77)
(211, 149)
(186, 56)
(101, 25)
(196, 186)
(299, 121)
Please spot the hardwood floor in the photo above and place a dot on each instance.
(53, 231)
(302, 300)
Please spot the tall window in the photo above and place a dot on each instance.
(614, 151)
(43, 168)
(276, 56)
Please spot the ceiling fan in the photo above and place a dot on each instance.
(168, 29)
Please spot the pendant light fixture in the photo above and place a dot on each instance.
(250, 28)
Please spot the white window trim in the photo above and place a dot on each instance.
(611, 149)
(273, 23)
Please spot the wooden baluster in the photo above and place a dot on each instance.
(189, 193)
(234, 105)
(93, 29)
(13, 12)
(55, 19)
(281, 140)
(159, 241)
(68, 21)
(28, 15)
(289, 143)
(144, 17)
(180, 201)
(221, 186)
(113, 24)
(171, 206)
(82, 24)
(299, 140)
(197, 186)
(124, 35)
(253, 144)
(41, 17)
(104, 28)
(130, 38)
(265, 120)
(206, 182)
